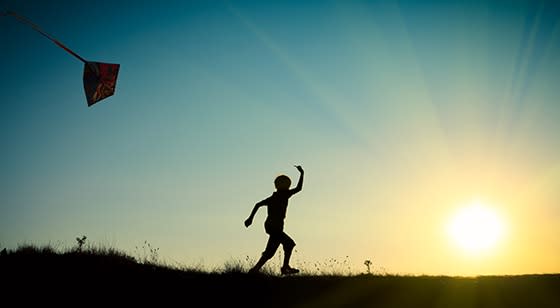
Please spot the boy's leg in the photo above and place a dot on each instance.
(271, 247)
(288, 244)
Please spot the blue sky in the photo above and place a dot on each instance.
(399, 111)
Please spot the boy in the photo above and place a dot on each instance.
(277, 205)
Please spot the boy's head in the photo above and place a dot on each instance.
(282, 182)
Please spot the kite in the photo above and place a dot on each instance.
(100, 79)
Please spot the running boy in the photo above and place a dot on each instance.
(277, 205)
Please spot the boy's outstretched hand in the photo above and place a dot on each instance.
(248, 222)
(299, 168)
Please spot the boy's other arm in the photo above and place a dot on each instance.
(299, 185)
(249, 220)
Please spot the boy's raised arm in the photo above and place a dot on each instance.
(299, 185)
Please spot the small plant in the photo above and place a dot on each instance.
(368, 264)
(149, 254)
(333, 267)
(81, 241)
(235, 266)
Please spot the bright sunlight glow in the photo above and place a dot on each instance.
(475, 228)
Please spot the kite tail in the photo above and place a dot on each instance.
(36, 28)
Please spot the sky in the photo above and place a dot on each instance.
(401, 113)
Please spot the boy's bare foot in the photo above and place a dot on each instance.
(288, 270)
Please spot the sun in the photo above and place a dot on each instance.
(475, 228)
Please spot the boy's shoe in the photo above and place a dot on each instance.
(288, 270)
(254, 271)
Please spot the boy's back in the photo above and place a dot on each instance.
(277, 204)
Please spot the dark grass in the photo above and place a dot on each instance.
(34, 275)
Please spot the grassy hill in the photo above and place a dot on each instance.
(41, 275)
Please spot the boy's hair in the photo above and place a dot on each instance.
(282, 182)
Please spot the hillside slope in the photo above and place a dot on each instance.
(47, 277)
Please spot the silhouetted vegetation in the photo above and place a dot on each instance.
(106, 276)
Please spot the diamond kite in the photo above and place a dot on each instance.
(100, 79)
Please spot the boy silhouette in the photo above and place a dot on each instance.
(277, 205)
